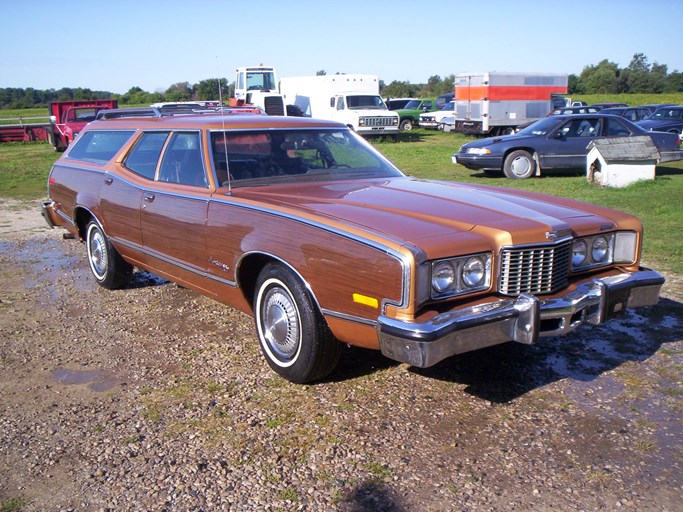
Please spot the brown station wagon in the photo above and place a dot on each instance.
(305, 226)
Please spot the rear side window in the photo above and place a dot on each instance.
(182, 161)
(144, 156)
(99, 146)
(617, 129)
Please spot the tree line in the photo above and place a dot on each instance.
(606, 77)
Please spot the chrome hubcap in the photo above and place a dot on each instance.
(520, 166)
(280, 324)
(98, 253)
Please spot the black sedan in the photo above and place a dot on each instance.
(665, 119)
(556, 142)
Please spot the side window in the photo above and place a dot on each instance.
(340, 103)
(99, 146)
(616, 128)
(143, 158)
(182, 161)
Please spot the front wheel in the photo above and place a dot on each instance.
(110, 270)
(406, 125)
(294, 337)
(519, 165)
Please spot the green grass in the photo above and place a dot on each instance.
(24, 167)
(426, 154)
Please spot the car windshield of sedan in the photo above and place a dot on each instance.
(262, 157)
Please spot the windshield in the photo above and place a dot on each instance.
(358, 102)
(540, 128)
(261, 81)
(262, 157)
(413, 105)
(449, 106)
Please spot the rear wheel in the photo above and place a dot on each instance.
(519, 165)
(294, 337)
(110, 270)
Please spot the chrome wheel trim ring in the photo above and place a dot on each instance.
(279, 323)
(97, 252)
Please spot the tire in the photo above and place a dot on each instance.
(294, 338)
(507, 131)
(406, 125)
(519, 165)
(110, 270)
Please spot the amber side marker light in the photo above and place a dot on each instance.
(365, 300)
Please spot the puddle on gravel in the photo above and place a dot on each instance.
(97, 380)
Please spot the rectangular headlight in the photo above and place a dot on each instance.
(478, 151)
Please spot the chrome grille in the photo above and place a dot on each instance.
(378, 121)
(274, 105)
(535, 270)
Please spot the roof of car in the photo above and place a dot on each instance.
(212, 121)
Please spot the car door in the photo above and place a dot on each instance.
(174, 209)
(121, 197)
(567, 146)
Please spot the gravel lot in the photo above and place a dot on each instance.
(155, 398)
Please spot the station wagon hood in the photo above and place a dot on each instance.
(416, 210)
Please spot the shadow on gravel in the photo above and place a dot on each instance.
(505, 372)
(371, 496)
(144, 279)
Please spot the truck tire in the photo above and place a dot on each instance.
(519, 165)
(406, 125)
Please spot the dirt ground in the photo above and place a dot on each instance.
(156, 398)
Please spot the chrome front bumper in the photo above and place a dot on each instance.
(521, 319)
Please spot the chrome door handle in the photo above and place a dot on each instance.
(149, 197)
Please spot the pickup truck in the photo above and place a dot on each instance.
(409, 115)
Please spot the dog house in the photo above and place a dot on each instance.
(620, 161)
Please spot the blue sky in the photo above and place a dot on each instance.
(152, 44)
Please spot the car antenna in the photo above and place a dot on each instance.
(225, 138)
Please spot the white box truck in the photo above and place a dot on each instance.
(350, 99)
(495, 103)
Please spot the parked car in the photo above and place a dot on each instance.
(609, 105)
(633, 114)
(432, 120)
(443, 99)
(302, 224)
(555, 142)
(575, 109)
(564, 111)
(397, 103)
(409, 115)
(665, 119)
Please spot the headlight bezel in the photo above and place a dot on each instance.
(605, 249)
(459, 284)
